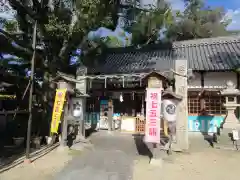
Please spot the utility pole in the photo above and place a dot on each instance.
(31, 94)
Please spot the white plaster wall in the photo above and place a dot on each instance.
(219, 79)
(195, 82)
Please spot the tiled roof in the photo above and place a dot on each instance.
(211, 54)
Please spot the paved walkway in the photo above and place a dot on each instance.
(112, 158)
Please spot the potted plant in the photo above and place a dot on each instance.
(49, 140)
(36, 141)
(18, 140)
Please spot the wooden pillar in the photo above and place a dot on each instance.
(182, 112)
(202, 100)
(81, 85)
(110, 116)
(64, 125)
(81, 129)
(142, 106)
(238, 99)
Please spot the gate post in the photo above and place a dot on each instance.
(182, 111)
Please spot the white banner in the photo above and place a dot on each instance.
(153, 112)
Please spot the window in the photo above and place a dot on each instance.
(193, 105)
(214, 103)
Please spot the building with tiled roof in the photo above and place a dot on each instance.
(211, 54)
(213, 61)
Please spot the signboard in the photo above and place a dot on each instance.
(235, 135)
(103, 122)
(57, 109)
(7, 96)
(153, 110)
(204, 123)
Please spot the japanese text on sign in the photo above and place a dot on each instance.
(153, 108)
(57, 109)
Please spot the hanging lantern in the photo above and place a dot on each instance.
(169, 109)
(121, 98)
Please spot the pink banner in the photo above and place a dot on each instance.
(153, 111)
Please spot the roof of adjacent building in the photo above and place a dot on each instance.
(210, 54)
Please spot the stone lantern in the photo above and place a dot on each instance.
(230, 126)
(74, 110)
(78, 112)
(231, 104)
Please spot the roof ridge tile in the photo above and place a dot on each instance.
(207, 41)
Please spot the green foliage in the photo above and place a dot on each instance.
(112, 42)
(148, 23)
(198, 21)
(62, 26)
(56, 28)
(92, 14)
(10, 26)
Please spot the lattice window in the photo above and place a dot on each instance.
(193, 105)
(140, 125)
(214, 103)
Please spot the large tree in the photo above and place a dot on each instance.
(150, 21)
(162, 23)
(62, 26)
(198, 21)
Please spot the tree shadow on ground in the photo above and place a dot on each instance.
(141, 146)
(89, 132)
(210, 138)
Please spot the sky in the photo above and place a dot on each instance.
(232, 8)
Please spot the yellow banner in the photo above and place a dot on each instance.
(57, 109)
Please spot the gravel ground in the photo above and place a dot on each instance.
(115, 157)
(43, 168)
(209, 164)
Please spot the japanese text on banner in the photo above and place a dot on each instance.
(57, 109)
(153, 108)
